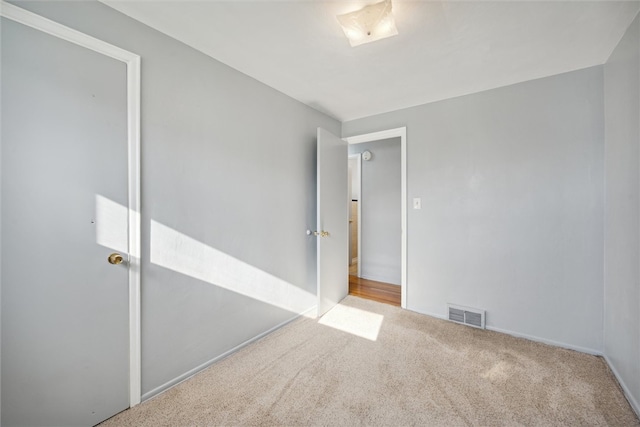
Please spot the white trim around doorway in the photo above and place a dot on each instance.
(358, 158)
(376, 136)
(132, 62)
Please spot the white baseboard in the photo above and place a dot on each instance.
(174, 382)
(437, 316)
(632, 401)
(531, 337)
(547, 341)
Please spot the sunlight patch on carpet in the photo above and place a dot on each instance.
(498, 372)
(364, 324)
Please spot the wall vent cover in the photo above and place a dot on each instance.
(466, 315)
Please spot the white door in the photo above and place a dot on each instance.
(65, 324)
(333, 221)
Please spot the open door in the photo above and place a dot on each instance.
(333, 221)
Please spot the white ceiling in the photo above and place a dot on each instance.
(443, 50)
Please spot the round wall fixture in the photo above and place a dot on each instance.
(366, 155)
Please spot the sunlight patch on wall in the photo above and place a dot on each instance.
(353, 321)
(111, 224)
(183, 254)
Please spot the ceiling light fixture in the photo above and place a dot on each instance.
(371, 23)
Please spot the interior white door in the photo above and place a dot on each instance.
(333, 221)
(65, 313)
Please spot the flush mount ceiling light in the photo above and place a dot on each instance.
(371, 23)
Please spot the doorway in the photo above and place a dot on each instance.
(376, 217)
(354, 164)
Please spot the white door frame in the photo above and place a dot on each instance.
(358, 158)
(132, 62)
(376, 136)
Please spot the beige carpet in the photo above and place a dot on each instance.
(418, 371)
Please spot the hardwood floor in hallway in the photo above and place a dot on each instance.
(376, 291)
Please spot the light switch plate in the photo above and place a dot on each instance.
(417, 203)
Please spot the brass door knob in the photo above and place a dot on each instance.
(318, 233)
(115, 258)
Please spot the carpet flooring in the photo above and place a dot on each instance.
(367, 363)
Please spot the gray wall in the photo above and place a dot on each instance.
(228, 189)
(622, 215)
(511, 182)
(380, 204)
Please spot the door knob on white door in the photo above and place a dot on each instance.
(318, 233)
(115, 259)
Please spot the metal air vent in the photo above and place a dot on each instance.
(467, 315)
